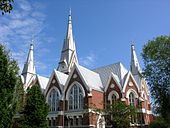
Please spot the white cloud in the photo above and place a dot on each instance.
(19, 55)
(40, 15)
(40, 65)
(88, 60)
(18, 28)
(24, 5)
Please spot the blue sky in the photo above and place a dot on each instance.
(103, 29)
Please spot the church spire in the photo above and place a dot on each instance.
(135, 67)
(28, 71)
(29, 64)
(68, 54)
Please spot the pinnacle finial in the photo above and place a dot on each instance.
(32, 41)
(133, 44)
(70, 12)
(69, 17)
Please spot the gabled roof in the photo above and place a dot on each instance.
(138, 80)
(43, 81)
(61, 77)
(127, 79)
(90, 79)
(116, 79)
(117, 69)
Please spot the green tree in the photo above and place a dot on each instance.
(36, 109)
(6, 6)
(156, 56)
(158, 123)
(10, 88)
(119, 114)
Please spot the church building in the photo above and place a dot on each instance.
(72, 90)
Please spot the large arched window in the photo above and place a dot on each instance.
(53, 100)
(132, 99)
(76, 99)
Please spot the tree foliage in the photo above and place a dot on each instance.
(36, 109)
(10, 88)
(119, 114)
(158, 123)
(156, 55)
(6, 6)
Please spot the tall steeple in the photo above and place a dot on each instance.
(68, 55)
(28, 72)
(135, 67)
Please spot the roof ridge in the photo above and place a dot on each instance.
(107, 65)
(92, 71)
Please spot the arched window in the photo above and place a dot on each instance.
(114, 99)
(53, 100)
(71, 102)
(132, 99)
(76, 100)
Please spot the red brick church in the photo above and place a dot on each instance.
(72, 89)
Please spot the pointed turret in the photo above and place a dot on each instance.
(135, 67)
(29, 72)
(68, 55)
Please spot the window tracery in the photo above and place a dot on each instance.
(76, 99)
(53, 100)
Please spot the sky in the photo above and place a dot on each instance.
(103, 30)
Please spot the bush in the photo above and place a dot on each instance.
(159, 123)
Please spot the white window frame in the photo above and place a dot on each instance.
(71, 93)
(131, 99)
(111, 94)
(57, 99)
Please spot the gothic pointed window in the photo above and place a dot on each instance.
(132, 99)
(71, 102)
(76, 98)
(75, 88)
(80, 100)
(133, 118)
(53, 100)
(114, 99)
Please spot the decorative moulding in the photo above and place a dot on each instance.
(89, 94)
(141, 99)
(123, 99)
(130, 84)
(112, 85)
(75, 76)
(53, 81)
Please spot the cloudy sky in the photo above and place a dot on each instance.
(103, 29)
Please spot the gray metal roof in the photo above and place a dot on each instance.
(91, 78)
(117, 69)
